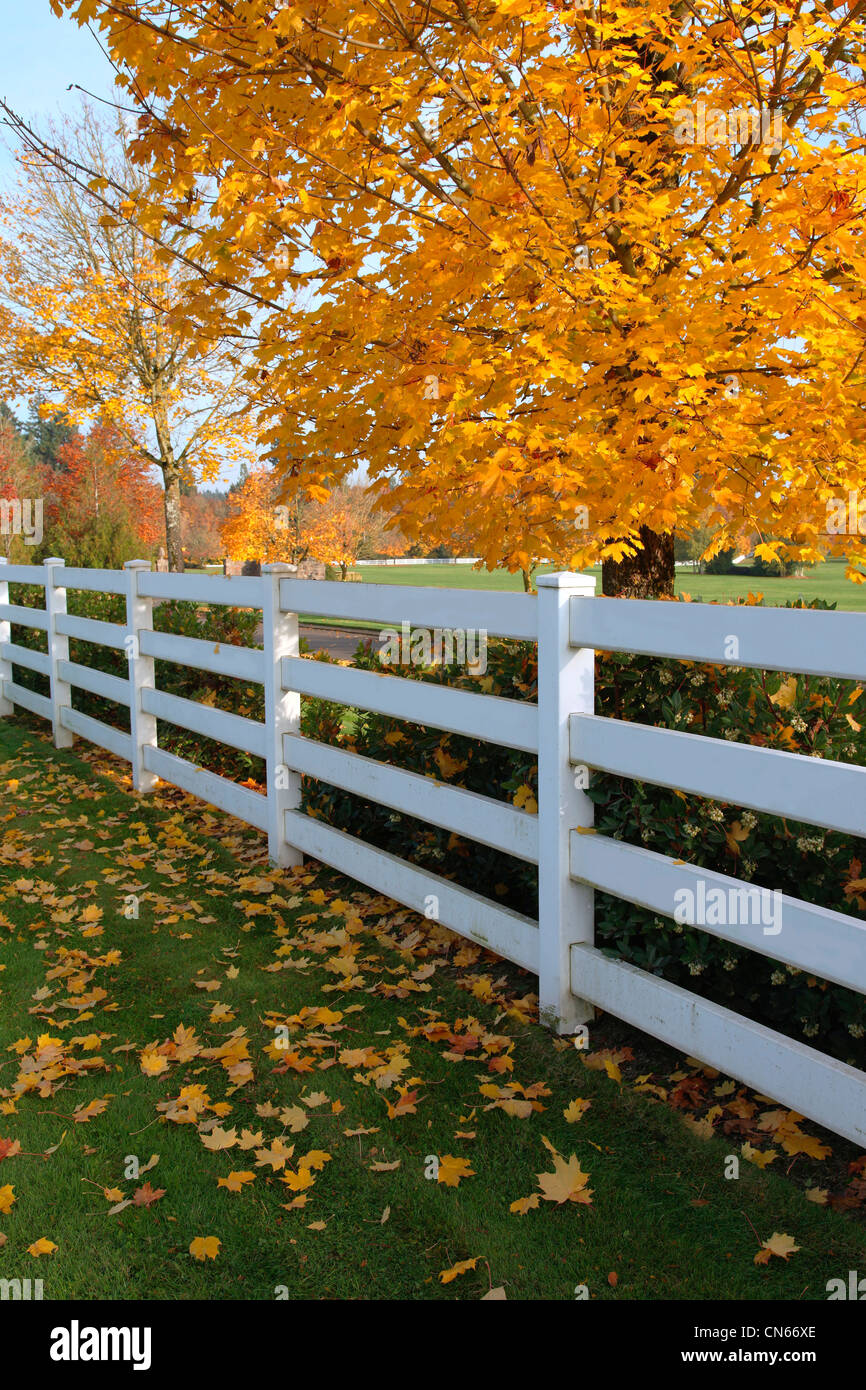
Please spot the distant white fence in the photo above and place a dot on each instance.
(569, 625)
(410, 560)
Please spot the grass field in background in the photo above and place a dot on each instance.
(823, 581)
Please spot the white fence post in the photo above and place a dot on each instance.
(566, 686)
(6, 706)
(142, 726)
(58, 650)
(282, 713)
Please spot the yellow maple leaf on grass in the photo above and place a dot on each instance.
(236, 1182)
(576, 1109)
(219, 1139)
(84, 1113)
(296, 1182)
(778, 1244)
(153, 1063)
(7, 1197)
(461, 1267)
(605, 1061)
(567, 1183)
(452, 1169)
(760, 1157)
(205, 1247)
(41, 1247)
(524, 1204)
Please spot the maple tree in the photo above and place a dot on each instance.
(259, 527)
(203, 513)
(104, 505)
(88, 317)
(350, 525)
(21, 481)
(523, 258)
(334, 529)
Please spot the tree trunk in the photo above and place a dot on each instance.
(173, 535)
(648, 574)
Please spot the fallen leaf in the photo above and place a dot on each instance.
(205, 1247)
(567, 1182)
(146, 1195)
(778, 1244)
(452, 1170)
(236, 1182)
(41, 1247)
(446, 1275)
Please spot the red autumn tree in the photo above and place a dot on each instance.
(104, 505)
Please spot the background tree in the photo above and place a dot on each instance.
(91, 321)
(47, 430)
(259, 528)
(21, 477)
(351, 525)
(105, 507)
(203, 513)
(344, 526)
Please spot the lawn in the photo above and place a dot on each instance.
(125, 1037)
(825, 581)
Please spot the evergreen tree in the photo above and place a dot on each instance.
(8, 417)
(241, 478)
(48, 435)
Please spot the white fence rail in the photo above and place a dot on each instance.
(568, 624)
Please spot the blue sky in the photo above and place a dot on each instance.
(40, 56)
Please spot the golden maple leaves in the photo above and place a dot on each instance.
(324, 526)
(183, 1046)
(205, 1248)
(566, 1183)
(506, 323)
(339, 1039)
(778, 1244)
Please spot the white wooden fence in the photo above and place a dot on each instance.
(569, 625)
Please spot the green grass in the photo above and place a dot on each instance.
(662, 1215)
(825, 581)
